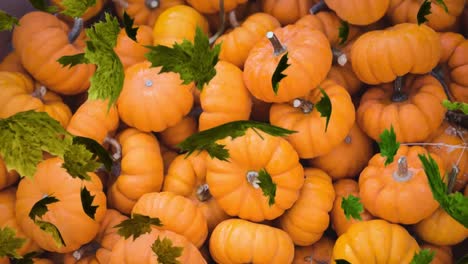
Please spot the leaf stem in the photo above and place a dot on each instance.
(152, 4)
(222, 18)
(233, 19)
(304, 105)
(76, 29)
(277, 46)
(252, 178)
(317, 7)
(203, 192)
(398, 95)
(402, 174)
(339, 56)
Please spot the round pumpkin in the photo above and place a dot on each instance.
(108, 236)
(260, 243)
(7, 177)
(234, 184)
(40, 45)
(132, 52)
(151, 100)
(212, 6)
(75, 226)
(309, 56)
(90, 12)
(317, 253)
(144, 12)
(388, 192)
(12, 63)
(313, 137)
(174, 135)
(414, 110)
(306, 221)
(375, 241)
(287, 11)
(358, 12)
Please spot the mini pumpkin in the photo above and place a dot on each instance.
(132, 52)
(7, 177)
(286, 11)
(358, 12)
(317, 253)
(144, 12)
(12, 63)
(108, 236)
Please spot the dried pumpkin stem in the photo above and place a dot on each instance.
(398, 95)
(317, 7)
(278, 48)
(252, 178)
(152, 4)
(233, 19)
(402, 174)
(452, 178)
(222, 19)
(339, 56)
(117, 155)
(76, 29)
(438, 73)
(86, 250)
(203, 192)
(39, 92)
(347, 139)
(304, 105)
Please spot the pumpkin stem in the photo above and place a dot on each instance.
(148, 83)
(304, 105)
(339, 56)
(39, 92)
(438, 73)
(117, 155)
(347, 139)
(233, 19)
(317, 7)
(252, 178)
(277, 46)
(203, 192)
(402, 174)
(86, 250)
(152, 4)
(452, 178)
(76, 29)
(222, 18)
(121, 3)
(398, 95)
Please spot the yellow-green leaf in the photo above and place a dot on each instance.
(9, 243)
(78, 161)
(52, 230)
(7, 21)
(166, 252)
(77, 8)
(424, 256)
(136, 226)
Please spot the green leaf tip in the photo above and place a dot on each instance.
(424, 256)
(343, 32)
(278, 73)
(388, 145)
(352, 207)
(74, 8)
(137, 226)
(324, 107)
(265, 182)
(165, 251)
(7, 21)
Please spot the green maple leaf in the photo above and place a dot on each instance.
(7, 21)
(40, 207)
(455, 106)
(388, 145)
(87, 202)
(78, 161)
(324, 107)
(9, 243)
(137, 226)
(278, 73)
(267, 185)
(43, 5)
(73, 60)
(166, 252)
(77, 8)
(128, 25)
(352, 207)
(424, 256)
(52, 230)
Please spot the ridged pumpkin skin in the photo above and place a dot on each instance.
(287, 11)
(225, 98)
(413, 120)
(306, 221)
(352, 155)
(339, 222)
(345, 76)
(212, 6)
(309, 54)
(92, 120)
(76, 227)
(20, 94)
(177, 214)
(174, 135)
(12, 63)
(40, 45)
(90, 12)
(402, 11)
(229, 182)
(260, 243)
(178, 23)
(377, 59)
(441, 229)
(131, 52)
(153, 101)
(138, 251)
(388, 196)
(108, 236)
(7, 177)
(236, 44)
(375, 241)
(443, 254)
(358, 12)
(311, 139)
(187, 177)
(142, 13)
(141, 169)
(317, 253)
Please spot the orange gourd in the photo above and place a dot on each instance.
(174, 135)
(237, 43)
(376, 59)
(414, 110)
(12, 63)
(358, 12)
(309, 56)
(287, 11)
(388, 192)
(145, 12)
(212, 6)
(177, 214)
(132, 52)
(90, 12)
(108, 236)
(311, 139)
(75, 226)
(141, 169)
(375, 241)
(317, 253)
(40, 45)
(151, 100)
(306, 221)
(7, 177)
(233, 183)
(261, 243)
(443, 254)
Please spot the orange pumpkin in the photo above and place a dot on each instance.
(90, 12)
(415, 110)
(144, 12)
(234, 184)
(375, 241)
(348, 158)
(317, 253)
(376, 59)
(287, 11)
(345, 76)
(187, 177)
(40, 45)
(7, 177)
(174, 135)
(12, 63)
(236, 44)
(261, 243)
(75, 226)
(443, 254)
(177, 214)
(108, 236)
(306, 221)
(339, 222)
(388, 191)
(153, 101)
(132, 52)
(212, 6)
(141, 169)
(358, 12)
(312, 139)
(309, 56)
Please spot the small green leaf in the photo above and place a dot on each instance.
(97, 149)
(73, 60)
(424, 256)
(442, 4)
(343, 32)
(43, 5)
(388, 145)
(40, 207)
(87, 202)
(352, 207)
(52, 230)
(324, 107)
(74, 8)
(206, 140)
(194, 62)
(278, 74)
(137, 226)
(128, 25)
(78, 161)
(7, 21)
(26, 259)
(267, 185)
(9, 243)
(166, 252)
(424, 11)
(342, 261)
(455, 106)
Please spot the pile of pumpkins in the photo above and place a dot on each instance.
(379, 69)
